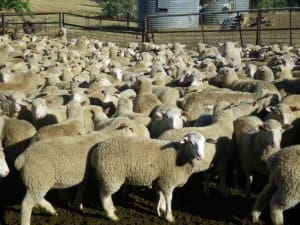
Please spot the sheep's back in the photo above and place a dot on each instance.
(139, 161)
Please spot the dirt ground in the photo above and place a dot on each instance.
(190, 206)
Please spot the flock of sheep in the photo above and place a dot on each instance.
(148, 115)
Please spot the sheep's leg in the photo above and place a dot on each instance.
(48, 207)
(105, 194)
(207, 177)
(168, 197)
(79, 193)
(282, 200)
(161, 203)
(249, 180)
(262, 200)
(223, 186)
(26, 208)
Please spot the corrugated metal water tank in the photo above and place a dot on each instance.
(166, 7)
(210, 6)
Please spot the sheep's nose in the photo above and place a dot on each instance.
(5, 173)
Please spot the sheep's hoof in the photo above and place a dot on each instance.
(79, 207)
(255, 216)
(170, 218)
(161, 211)
(113, 217)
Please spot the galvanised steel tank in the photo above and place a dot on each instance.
(161, 13)
(211, 6)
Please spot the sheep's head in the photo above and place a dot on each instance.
(271, 133)
(194, 144)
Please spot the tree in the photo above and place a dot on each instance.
(118, 9)
(18, 6)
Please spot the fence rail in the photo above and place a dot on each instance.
(267, 26)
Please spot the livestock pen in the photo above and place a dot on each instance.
(261, 27)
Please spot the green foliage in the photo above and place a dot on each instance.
(118, 9)
(18, 6)
(272, 4)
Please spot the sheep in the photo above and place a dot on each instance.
(113, 123)
(31, 81)
(194, 104)
(282, 190)
(125, 108)
(166, 117)
(264, 73)
(232, 54)
(221, 129)
(43, 115)
(73, 125)
(255, 142)
(145, 100)
(250, 70)
(162, 164)
(58, 163)
(229, 79)
(15, 136)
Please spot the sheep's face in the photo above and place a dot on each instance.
(175, 119)
(272, 133)
(194, 145)
(280, 112)
(4, 170)
(39, 109)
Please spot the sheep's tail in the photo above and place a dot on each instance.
(20, 162)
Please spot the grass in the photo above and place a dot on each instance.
(71, 6)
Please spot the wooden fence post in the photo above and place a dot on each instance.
(145, 37)
(2, 23)
(291, 38)
(127, 20)
(240, 30)
(258, 27)
(61, 19)
(202, 27)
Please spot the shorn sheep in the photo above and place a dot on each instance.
(282, 191)
(163, 165)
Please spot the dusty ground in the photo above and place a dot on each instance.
(190, 207)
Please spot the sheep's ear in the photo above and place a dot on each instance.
(254, 103)
(270, 108)
(122, 126)
(117, 94)
(8, 97)
(132, 97)
(184, 113)
(287, 126)
(48, 101)
(211, 141)
(294, 108)
(262, 127)
(164, 115)
(184, 140)
(93, 113)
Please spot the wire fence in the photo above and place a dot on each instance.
(261, 27)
